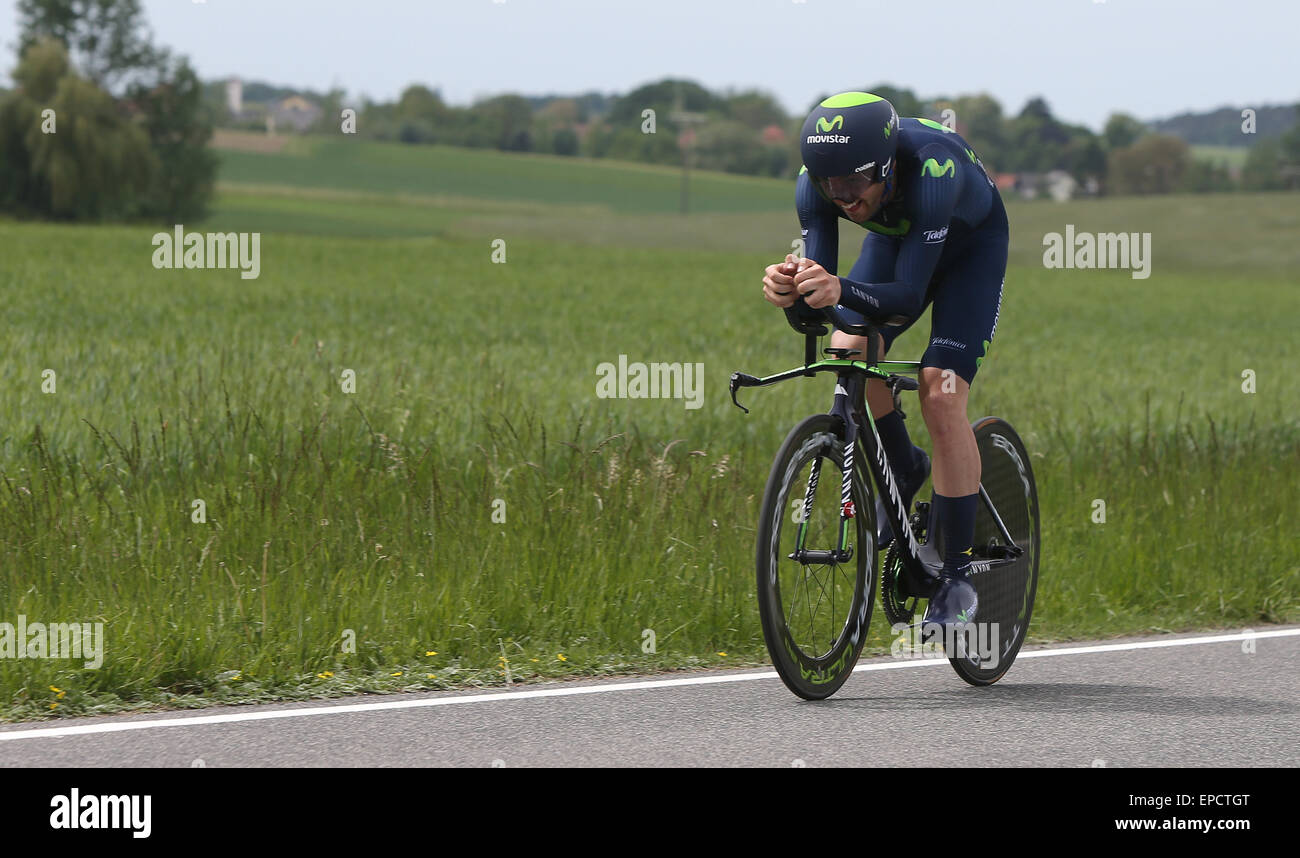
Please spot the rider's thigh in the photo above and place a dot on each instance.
(967, 301)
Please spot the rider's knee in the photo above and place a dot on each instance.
(943, 396)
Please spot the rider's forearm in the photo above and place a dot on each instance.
(897, 298)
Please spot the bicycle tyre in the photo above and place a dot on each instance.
(814, 675)
(1006, 593)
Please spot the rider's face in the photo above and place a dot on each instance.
(858, 198)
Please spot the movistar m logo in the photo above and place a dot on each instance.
(933, 168)
(826, 127)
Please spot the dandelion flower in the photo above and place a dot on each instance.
(723, 654)
(431, 652)
(561, 657)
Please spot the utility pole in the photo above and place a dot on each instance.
(684, 119)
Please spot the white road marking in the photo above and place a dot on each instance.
(234, 718)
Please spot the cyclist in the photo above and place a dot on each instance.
(936, 234)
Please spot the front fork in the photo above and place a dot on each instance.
(848, 390)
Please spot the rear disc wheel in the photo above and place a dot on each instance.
(1006, 592)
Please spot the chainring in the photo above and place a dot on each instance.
(897, 609)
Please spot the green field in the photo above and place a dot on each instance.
(369, 515)
(1233, 156)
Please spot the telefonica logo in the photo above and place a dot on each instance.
(834, 125)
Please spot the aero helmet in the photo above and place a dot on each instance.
(852, 134)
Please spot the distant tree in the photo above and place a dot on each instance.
(1263, 168)
(1206, 176)
(420, 102)
(904, 100)
(564, 112)
(1155, 164)
(755, 109)
(729, 146)
(506, 121)
(96, 163)
(564, 142)
(179, 129)
(980, 121)
(663, 97)
(1036, 108)
(1122, 130)
(1289, 146)
(1084, 157)
(106, 39)
(629, 144)
(1036, 141)
(331, 110)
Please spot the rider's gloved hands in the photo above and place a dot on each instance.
(818, 286)
(778, 282)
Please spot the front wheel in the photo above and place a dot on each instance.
(815, 581)
(1006, 591)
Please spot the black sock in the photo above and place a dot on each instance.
(897, 444)
(958, 523)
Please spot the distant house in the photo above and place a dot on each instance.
(295, 113)
(1056, 184)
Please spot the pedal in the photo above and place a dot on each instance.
(921, 520)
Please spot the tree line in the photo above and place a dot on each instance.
(103, 124)
(749, 132)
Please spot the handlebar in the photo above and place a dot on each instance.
(806, 323)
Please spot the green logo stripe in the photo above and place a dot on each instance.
(936, 170)
(826, 127)
(930, 123)
(849, 99)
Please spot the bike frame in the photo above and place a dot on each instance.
(860, 432)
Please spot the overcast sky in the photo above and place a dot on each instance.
(1151, 58)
